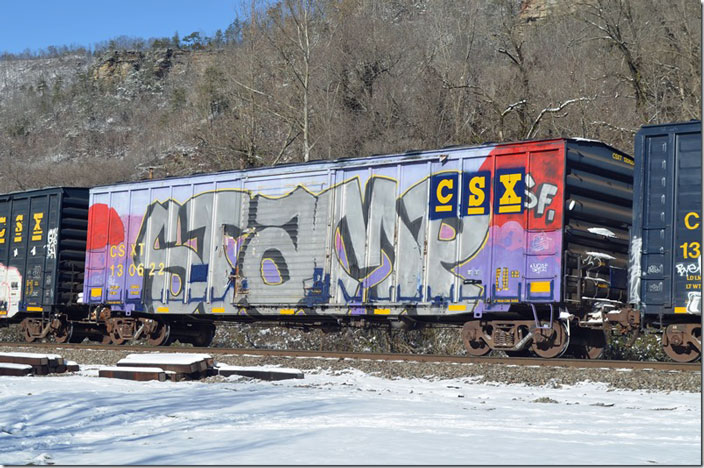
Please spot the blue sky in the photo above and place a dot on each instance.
(36, 24)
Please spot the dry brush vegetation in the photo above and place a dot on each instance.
(304, 80)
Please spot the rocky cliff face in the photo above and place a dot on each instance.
(536, 10)
(109, 110)
(121, 65)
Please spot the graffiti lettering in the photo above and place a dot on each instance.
(635, 269)
(539, 267)
(694, 303)
(684, 269)
(10, 294)
(541, 199)
(339, 245)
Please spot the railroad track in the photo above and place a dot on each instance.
(527, 361)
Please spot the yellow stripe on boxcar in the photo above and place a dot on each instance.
(540, 287)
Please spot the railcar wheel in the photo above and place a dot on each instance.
(64, 333)
(205, 337)
(594, 346)
(160, 335)
(100, 338)
(682, 342)
(552, 342)
(473, 342)
(77, 338)
(685, 353)
(26, 332)
(116, 338)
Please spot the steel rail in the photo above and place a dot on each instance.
(486, 360)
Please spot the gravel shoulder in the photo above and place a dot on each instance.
(555, 377)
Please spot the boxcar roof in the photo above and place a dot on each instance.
(670, 124)
(322, 164)
(39, 190)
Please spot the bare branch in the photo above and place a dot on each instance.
(513, 106)
(288, 140)
(536, 122)
(509, 55)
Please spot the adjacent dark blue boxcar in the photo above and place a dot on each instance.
(665, 282)
(42, 249)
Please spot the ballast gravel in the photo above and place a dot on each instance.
(555, 377)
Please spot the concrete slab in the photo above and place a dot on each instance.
(264, 373)
(8, 368)
(133, 373)
(184, 363)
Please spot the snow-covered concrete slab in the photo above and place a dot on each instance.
(177, 362)
(9, 368)
(133, 373)
(260, 372)
(42, 364)
(31, 355)
(133, 369)
(167, 358)
(12, 365)
(29, 358)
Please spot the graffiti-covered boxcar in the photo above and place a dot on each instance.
(526, 232)
(667, 234)
(42, 250)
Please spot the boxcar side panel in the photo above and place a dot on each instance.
(10, 276)
(666, 241)
(526, 226)
(687, 272)
(438, 233)
(284, 248)
(34, 245)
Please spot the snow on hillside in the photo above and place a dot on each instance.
(340, 418)
(16, 74)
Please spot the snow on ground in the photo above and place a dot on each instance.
(340, 418)
(164, 358)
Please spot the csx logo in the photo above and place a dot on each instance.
(443, 195)
(472, 195)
